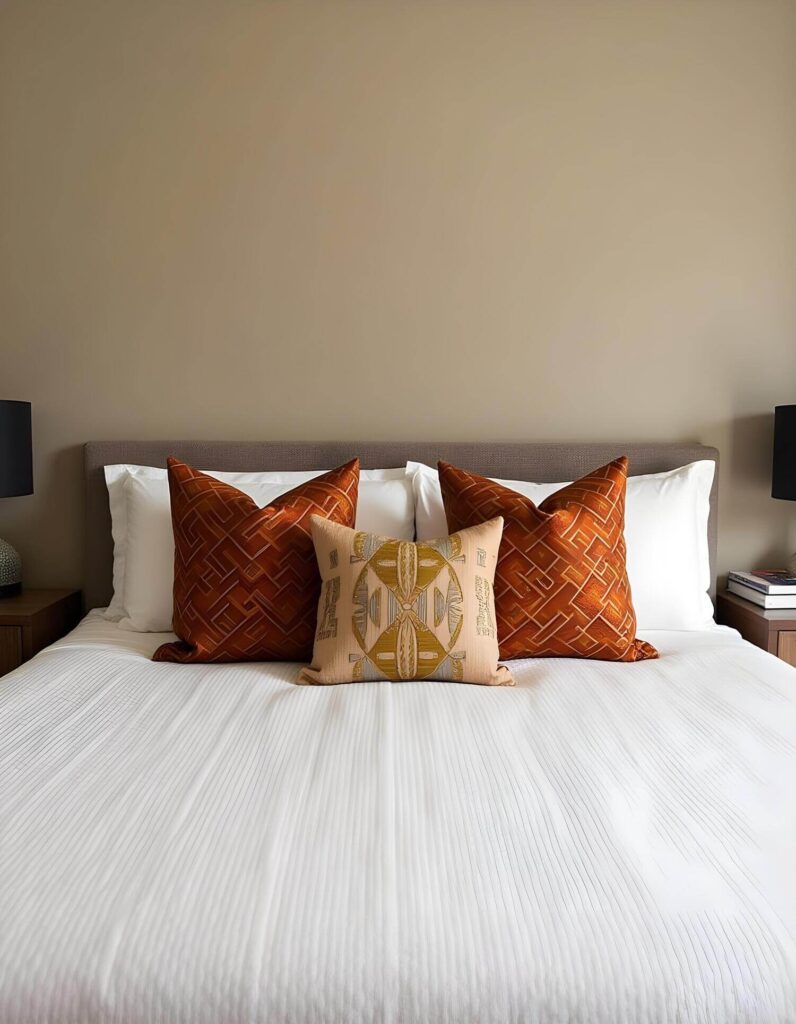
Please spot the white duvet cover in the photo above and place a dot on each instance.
(602, 844)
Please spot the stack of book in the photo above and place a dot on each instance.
(770, 588)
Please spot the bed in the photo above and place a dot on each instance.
(212, 843)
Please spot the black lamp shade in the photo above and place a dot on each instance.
(783, 475)
(16, 449)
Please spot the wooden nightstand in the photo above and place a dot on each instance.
(32, 620)
(773, 629)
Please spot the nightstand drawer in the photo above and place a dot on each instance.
(33, 619)
(10, 648)
(786, 646)
(773, 629)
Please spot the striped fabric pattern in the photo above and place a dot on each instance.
(208, 843)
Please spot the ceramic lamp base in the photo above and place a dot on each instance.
(10, 570)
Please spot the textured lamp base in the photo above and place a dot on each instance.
(10, 570)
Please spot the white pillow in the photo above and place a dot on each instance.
(143, 542)
(666, 533)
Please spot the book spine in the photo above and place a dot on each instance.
(761, 584)
(778, 601)
(745, 580)
(747, 593)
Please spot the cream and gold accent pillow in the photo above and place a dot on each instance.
(391, 609)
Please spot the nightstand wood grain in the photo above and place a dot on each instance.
(786, 648)
(773, 629)
(10, 648)
(33, 619)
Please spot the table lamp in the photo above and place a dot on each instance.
(783, 474)
(16, 477)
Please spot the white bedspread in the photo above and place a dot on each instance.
(603, 844)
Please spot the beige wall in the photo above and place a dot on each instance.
(562, 219)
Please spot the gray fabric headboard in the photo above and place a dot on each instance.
(511, 461)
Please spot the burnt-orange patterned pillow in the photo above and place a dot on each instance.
(561, 586)
(246, 582)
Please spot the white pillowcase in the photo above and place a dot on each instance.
(143, 541)
(666, 533)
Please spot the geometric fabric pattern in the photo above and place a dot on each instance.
(396, 610)
(246, 582)
(561, 585)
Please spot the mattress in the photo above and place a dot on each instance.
(603, 843)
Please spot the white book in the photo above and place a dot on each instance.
(759, 598)
(767, 583)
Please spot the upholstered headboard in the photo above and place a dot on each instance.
(511, 461)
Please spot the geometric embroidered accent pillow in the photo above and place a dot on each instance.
(561, 586)
(394, 610)
(246, 583)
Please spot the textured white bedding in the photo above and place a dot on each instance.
(602, 844)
